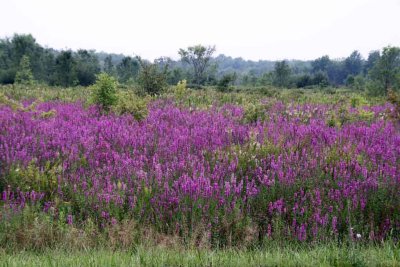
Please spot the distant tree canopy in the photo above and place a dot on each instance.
(281, 74)
(65, 69)
(87, 67)
(386, 70)
(23, 60)
(354, 63)
(128, 69)
(199, 58)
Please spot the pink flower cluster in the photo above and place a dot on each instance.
(179, 163)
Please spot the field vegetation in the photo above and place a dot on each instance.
(130, 169)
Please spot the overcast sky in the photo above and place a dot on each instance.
(252, 29)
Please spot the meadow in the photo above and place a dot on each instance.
(260, 176)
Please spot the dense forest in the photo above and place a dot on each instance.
(22, 59)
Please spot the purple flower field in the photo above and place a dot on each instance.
(290, 175)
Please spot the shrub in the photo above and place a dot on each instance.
(129, 103)
(225, 82)
(358, 101)
(105, 91)
(180, 89)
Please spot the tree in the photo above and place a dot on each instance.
(199, 57)
(304, 81)
(48, 66)
(266, 79)
(386, 71)
(226, 81)
(109, 67)
(336, 72)
(175, 75)
(128, 69)
(7, 68)
(321, 79)
(25, 45)
(87, 67)
(373, 57)
(281, 74)
(355, 82)
(65, 72)
(320, 64)
(105, 91)
(24, 73)
(353, 63)
(152, 78)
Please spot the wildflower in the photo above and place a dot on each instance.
(69, 219)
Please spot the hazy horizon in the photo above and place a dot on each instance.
(252, 30)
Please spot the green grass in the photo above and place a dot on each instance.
(322, 255)
(198, 98)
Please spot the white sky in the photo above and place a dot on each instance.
(252, 29)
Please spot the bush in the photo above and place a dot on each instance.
(358, 101)
(129, 103)
(105, 91)
(225, 82)
(180, 89)
(375, 88)
(355, 82)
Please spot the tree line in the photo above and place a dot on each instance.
(23, 60)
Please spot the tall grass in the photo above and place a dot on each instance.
(326, 255)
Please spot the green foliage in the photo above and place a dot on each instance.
(353, 63)
(15, 105)
(151, 79)
(225, 82)
(24, 74)
(87, 67)
(7, 76)
(34, 178)
(48, 114)
(109, 67)
(199, 57)
(321, 64)
(104, 91)
(65, 69)
(282, 74)
(385, 73)
(180, 89)
(358, 101)
(375, 88)
(356, 82)
(129, 103)
(253, 112)
(394, 98)
(175, 75)
(168, 255)
(127, 70)
(318, 79)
